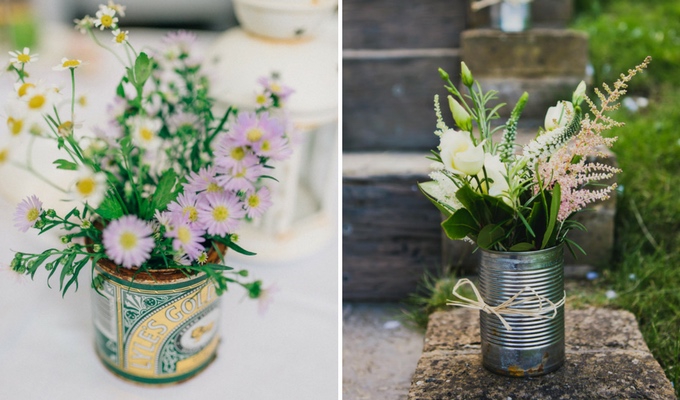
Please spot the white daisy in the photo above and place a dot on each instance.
(106, 18)
(19, 58)
(89, 186)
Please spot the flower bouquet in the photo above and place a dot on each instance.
(518, 208)
(158, 195)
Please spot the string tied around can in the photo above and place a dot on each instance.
(505, 308)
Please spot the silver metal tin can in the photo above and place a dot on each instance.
(534, 346)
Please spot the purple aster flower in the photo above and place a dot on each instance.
(187, 237)
(182, 40)
(251, 129)
(275, 148)
(273, 85)
(220, 213)
(241, 180)
(128, 241)
(256, 203)
(232, 157)
(27, 213)
(185, 205)
(203, 181)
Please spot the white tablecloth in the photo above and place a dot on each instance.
(291, 352)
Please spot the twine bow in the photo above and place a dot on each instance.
(480, 4)
(505, 307)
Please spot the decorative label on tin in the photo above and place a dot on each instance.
(156, 333)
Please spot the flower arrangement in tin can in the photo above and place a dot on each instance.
(505, 200)
(167, 183)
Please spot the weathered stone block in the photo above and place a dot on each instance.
(535, 53)
(606, 357)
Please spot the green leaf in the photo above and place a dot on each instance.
(239, 249)
(489, 236)
(425, 188)
(110, 208)
(524, 246)
(550, 231)
(218, 267)
(164, 191)
(65, 164)
(143, 69)
(472, 201)
(460, 224)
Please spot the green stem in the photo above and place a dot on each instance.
(94, 38)
(73, 99)
(37, 175)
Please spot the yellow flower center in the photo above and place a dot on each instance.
(24, 58)
(238, 153)
(146, 134)
(4, 154)
(82, 101)
(23, 88)
(128, 240)
(192, 212)
(14, 125)
(183, 234)
(106, 20)
(37, 101)
(70, 63)
(120, 38)
(254, 135)
(275, 87)
(86, 186)
(32, 214)
(266, 146)
(220, 213)
(261, 99)
(213, 188)
(253, 201)
(66, 128)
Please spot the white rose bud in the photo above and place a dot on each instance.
(459, 153)
(579, 94)
(559, 115)
(461, 116)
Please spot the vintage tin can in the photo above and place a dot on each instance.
(534, 346)
(156, 328)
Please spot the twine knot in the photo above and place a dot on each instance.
(505, 308)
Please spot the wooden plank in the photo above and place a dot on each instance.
(386, 24)
(388, 102)
(391, 235)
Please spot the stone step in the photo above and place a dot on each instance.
(606, 357)
(546, 63)
(392, 234)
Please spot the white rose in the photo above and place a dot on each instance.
(559, 115)
(496, 173)
(459, 154)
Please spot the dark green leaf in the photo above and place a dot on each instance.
(164, 191)
(110, 208)
(239, 249)
(524, 246)
(489, 236)
(65, 164)
(472, 201)
(550, 231)
(460, 224)
(143, 69)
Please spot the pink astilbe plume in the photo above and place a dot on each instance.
(570, 167)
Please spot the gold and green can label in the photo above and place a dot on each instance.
(162, 329)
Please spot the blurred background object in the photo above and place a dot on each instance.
(297, 41)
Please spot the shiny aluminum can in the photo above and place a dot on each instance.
(534, 346)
